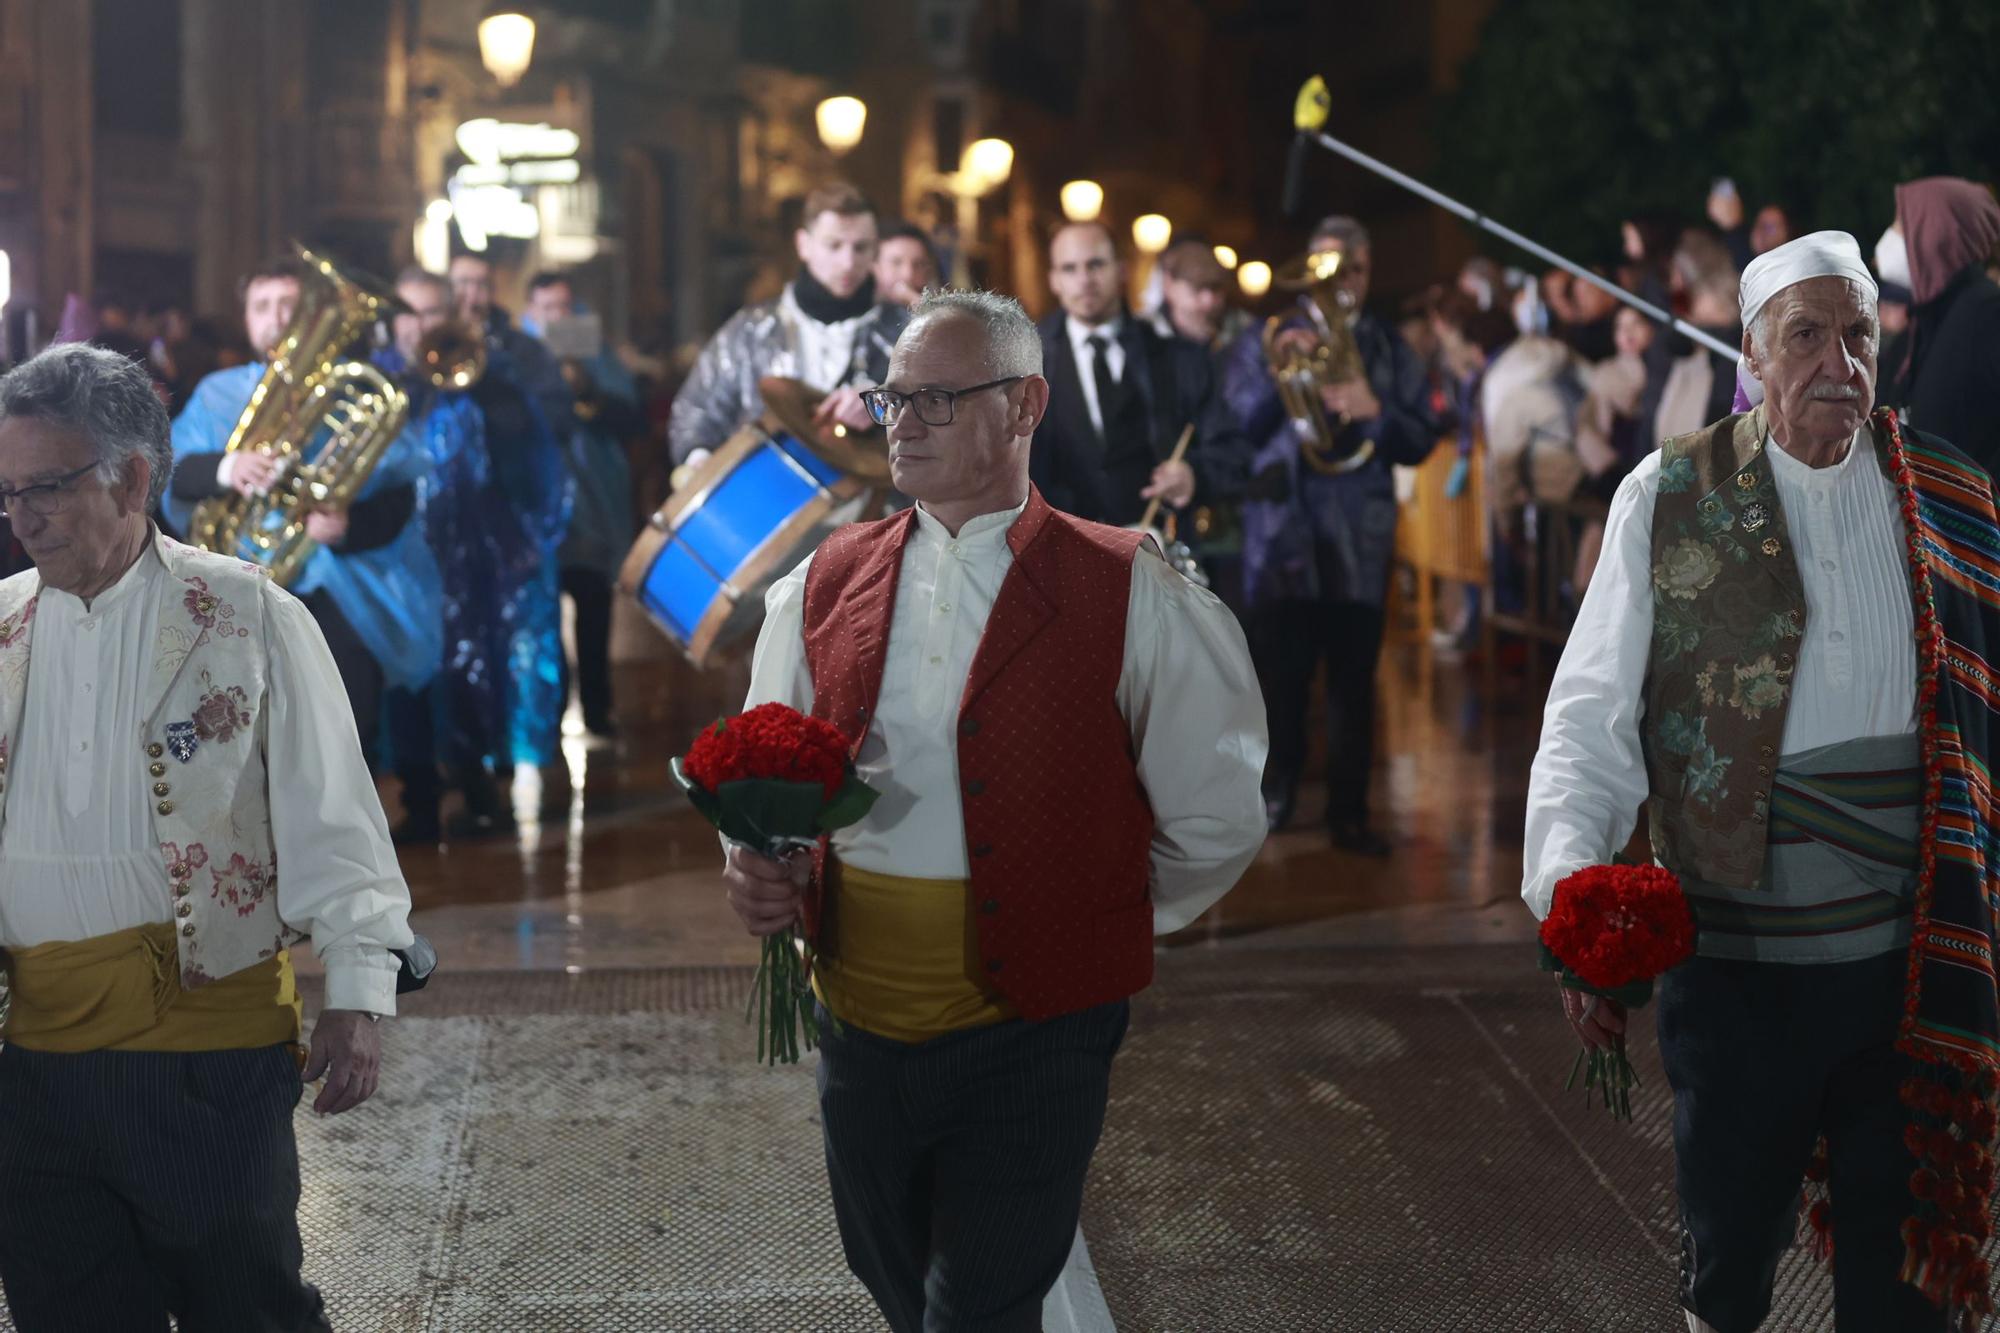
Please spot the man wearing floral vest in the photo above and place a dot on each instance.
(1068, 739)
(1784, 656)
(173, 736)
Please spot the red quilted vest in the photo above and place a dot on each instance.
(1057, 828)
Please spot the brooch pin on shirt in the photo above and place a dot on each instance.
(1755, 516)
(180, 740)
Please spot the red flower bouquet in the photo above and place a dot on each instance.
(1611, 931)
(776, 781)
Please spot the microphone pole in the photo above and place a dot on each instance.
(1310, 115)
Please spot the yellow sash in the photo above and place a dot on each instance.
(122, 992)
(904, 956)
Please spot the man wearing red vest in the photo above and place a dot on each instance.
(1068, 738)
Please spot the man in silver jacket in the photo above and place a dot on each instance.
(826, 328)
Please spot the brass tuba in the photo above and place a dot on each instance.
(325, 418)
(1333, 359)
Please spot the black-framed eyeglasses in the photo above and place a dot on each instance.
(44, 500)
(935, 407)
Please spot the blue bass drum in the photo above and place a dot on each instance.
(745, 519)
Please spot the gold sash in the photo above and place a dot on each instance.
(122, 992)
(904, 956)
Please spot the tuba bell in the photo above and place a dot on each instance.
(1332, 359)
(325, 418)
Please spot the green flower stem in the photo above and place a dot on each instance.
(782, 1001)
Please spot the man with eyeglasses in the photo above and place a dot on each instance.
(1068, 739)
(1120, 395)
(172, 729)
(372, 584)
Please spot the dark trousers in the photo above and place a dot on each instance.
(957, 1164)
(360, 673)
(1290, 639)
(1763, 1059)
(136, 1184)
(439, 723)
(590, 590)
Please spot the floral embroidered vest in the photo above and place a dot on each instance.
(1729, 611)
(200, 752)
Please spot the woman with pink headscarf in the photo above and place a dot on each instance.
(1948, 381)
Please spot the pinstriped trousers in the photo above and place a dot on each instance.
(957, 1164)
(137, 1184)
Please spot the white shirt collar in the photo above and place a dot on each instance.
(1800, 473)
(982, 533)
(119, 593)
(1080, 333)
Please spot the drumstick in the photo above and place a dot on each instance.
(1180, 451)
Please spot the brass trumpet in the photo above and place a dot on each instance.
(1333, 359)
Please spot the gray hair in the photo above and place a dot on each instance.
(1013, 347)
(1340, 227)
(104, 397)
(1760, 327)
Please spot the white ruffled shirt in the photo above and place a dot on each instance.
(1187, 690)
(1856, 673)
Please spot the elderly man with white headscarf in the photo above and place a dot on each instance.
(1783, 656)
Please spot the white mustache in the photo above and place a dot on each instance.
(1836, 392)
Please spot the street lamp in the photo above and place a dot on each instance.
(506, 43)
(1254, 278)
(985, 164)
(1151, 232)
(840, 120)
(1082, 201)
(1225, 256)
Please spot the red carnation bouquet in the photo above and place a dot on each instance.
(1611, 932)
(776, 781)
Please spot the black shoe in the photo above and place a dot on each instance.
(1356, 837)
(1277, 812)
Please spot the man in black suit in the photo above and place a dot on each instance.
(1119, 395)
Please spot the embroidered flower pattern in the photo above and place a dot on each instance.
(1688, 568)
(1704, 684)
(182, 865)
(1677, 475)
(15, 626)
(1758, 686)
(221, 713)
(241, 884)
(209, 611)
(1683, 733)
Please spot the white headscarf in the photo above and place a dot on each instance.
(1823, 254)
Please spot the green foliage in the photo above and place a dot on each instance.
(1572, 115)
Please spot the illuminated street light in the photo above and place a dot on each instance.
(506, 43)
(1254, 278)
(840, 120)
(1082, 201)
(1151, 232)
(985, 164)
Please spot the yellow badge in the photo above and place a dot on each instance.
(1771, 546)
(1745, 482)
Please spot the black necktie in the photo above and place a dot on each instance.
(1107, 387)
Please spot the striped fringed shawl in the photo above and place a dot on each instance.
(1951, 1018)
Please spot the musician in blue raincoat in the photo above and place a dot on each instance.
(372, 585)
